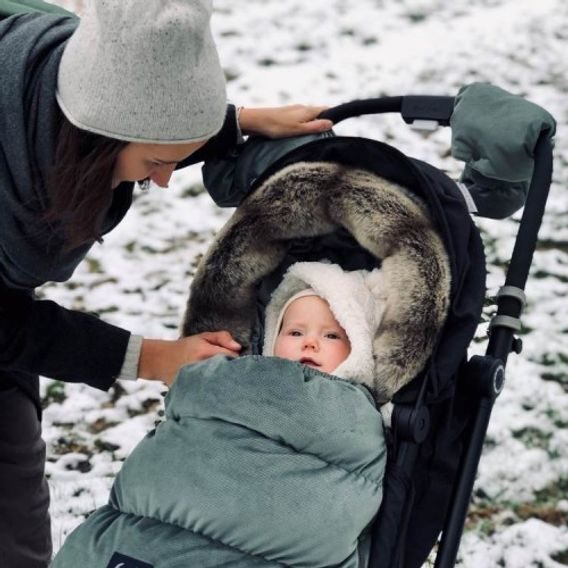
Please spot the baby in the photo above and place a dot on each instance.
(326, 318)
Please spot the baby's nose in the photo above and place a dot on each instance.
(311, 342)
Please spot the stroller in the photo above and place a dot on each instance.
(440, 417)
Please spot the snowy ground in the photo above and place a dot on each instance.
(328, 52)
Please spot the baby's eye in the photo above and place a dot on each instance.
(295, 333)
(333, 335)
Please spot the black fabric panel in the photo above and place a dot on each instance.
(41, 337)
(387, 532)
(435, 471)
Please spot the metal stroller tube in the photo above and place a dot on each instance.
(525, 244)
(491, 375)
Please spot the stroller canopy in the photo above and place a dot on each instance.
(360, 203)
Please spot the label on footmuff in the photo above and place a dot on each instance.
(122, 561)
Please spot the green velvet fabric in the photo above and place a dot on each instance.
(495, 132)
(260, 462)
(12, 7)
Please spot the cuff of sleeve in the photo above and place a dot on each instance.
(129, 370)
(240, 137)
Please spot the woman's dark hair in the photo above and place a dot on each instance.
(80, 185)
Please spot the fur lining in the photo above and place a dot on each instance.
(308, 199)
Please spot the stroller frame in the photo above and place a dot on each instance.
(485, 375)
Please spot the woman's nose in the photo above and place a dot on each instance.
(162, 175)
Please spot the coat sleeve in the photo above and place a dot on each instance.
(41, 337)
(222, 143)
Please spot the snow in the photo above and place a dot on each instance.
(328, 52)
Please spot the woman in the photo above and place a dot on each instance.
(87, 109)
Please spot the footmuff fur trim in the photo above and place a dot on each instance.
(308, 199)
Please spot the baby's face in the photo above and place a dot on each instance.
(311, 335)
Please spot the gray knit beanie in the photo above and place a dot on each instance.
(144, 71)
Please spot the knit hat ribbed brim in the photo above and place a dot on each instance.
(144, 71)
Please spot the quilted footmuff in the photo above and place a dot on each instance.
(260, 462)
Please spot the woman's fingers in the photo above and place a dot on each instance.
(221, 339)
(279, 122)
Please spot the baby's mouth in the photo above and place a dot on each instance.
(309, 361)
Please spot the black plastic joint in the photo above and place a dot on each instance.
(423, 107)
(486, 375)
(411, 424)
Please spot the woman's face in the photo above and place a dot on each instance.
(137, 161)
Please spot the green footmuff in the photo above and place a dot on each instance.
(12, 7)
(261, 461)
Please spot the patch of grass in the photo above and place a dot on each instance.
(533, 437)
(548, 244)
(561, 557)
(55, 392)
(417, 17)
(486, 515)
(231, 75)
(109, 310)
(109, 280)
(149, 405)
(66, 445)
(545, 504)
(267, 62)
(81, 466)
(100, 425)
(553, 359)
(116, 391)
(560, 378)
(193, 190)
(556, 419)
(102, 446)
(480, 518)
(94, 266)
(542, 274)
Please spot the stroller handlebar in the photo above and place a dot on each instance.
(411, 107)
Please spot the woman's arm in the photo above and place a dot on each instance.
(42, 337)
(271, 122)
(282, 122)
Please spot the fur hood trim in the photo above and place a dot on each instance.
(307, 199)
(356, 300)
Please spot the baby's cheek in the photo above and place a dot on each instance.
(284, 347)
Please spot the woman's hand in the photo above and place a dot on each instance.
(280, 122)
(162, 359)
